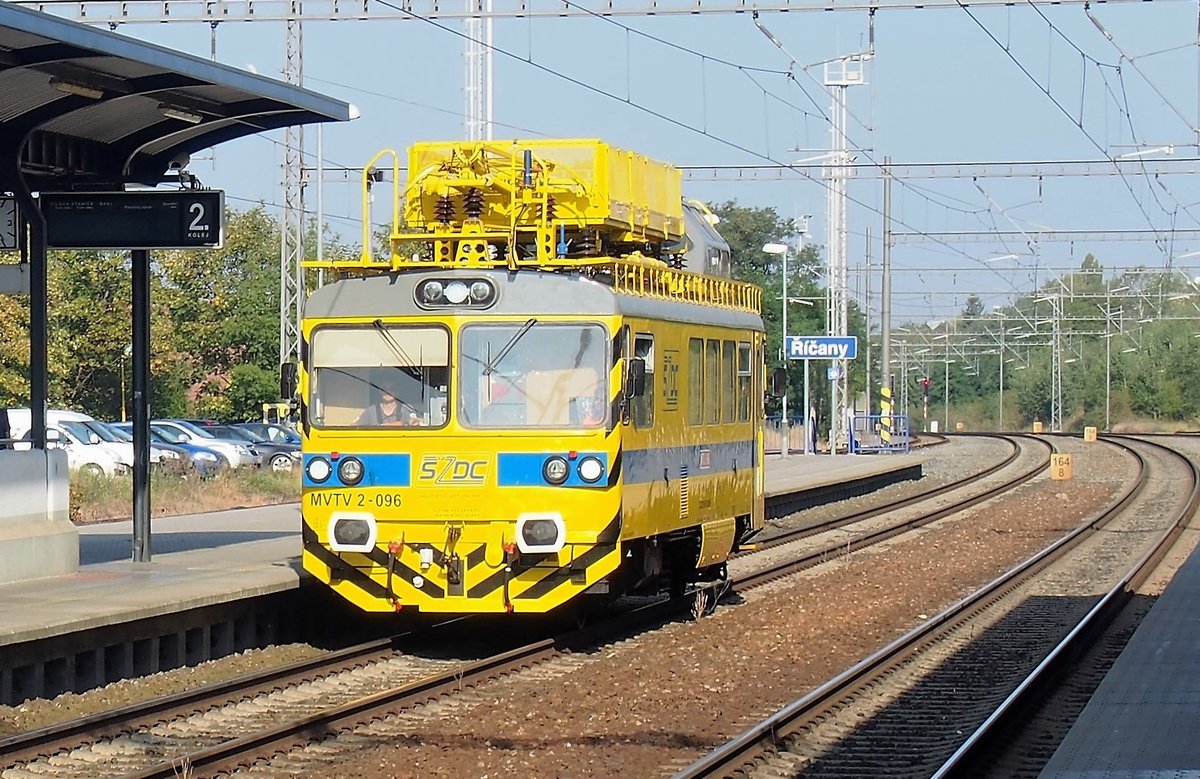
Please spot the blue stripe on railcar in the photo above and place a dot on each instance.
(647, 465)
(524, 469)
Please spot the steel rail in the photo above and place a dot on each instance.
(48, 740)
(114, 722)
(741, 751)
(231, 755)
(83, 731)
(984, 738)
(831, 524)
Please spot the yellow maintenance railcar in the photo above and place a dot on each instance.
(546, 390)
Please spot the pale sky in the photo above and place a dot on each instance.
(939, 89)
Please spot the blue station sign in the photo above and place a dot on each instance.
(821, 347)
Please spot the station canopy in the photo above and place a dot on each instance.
(80, 105)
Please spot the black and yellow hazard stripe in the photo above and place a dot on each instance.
(885, 414)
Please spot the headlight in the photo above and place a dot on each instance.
(352, 532)
(541, 533)
(210, 457)
(590, 469)
(241, 450)
(318, 469)
(167, 454)
(456, 292)
(350, 471)
(481, 291)
(555, 470)
(431, 291)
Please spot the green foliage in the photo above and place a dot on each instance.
(1127, 348)
(250, 386)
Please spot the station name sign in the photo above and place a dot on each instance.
(821, 347)
(150, 219)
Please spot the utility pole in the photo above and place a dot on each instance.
(1056, 367)
(867, 312)
(291, 250)
(885, 295)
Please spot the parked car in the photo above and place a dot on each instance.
(278, 456)
(271, 431)
(82, 455)
(239, 453)
(168, 458)
(204, 461)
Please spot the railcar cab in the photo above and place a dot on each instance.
(528, 375)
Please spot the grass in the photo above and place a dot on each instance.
(99, 498)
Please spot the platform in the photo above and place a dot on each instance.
(1141, 721)
(210, 562)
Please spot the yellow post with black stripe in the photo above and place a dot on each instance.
(885, 414)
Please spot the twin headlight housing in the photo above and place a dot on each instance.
(469, 293)
(349, 470)
(556, 469)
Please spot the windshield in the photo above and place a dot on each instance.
(379, 376)
(250, 435)
(195, 430)
(121, 433)
(80, 432)
(102, 430)
(236, 434)
(171, 435)
(534, 374)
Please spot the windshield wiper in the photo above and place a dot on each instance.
(490, 368)
(393, 344)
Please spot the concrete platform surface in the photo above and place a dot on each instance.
(1141, 721)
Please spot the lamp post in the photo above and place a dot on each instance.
(1108, 291)
(784, 430)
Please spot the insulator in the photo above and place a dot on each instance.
(675, 261)
(444, 210)
(473, 203)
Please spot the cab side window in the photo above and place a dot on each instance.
(641, 408)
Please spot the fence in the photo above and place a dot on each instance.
(773, 434)
(867, 433)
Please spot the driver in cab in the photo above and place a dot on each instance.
(388, 411)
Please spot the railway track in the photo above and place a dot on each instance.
(932, 702)
(282, 712)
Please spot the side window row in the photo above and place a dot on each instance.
(720, 381)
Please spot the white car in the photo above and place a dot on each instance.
(82, 456)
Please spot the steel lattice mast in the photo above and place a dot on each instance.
(291, 253)
(839, 75)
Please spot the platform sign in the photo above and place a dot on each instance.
(150, 219)
(821, 347)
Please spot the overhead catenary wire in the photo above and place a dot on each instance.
(1160, 242)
